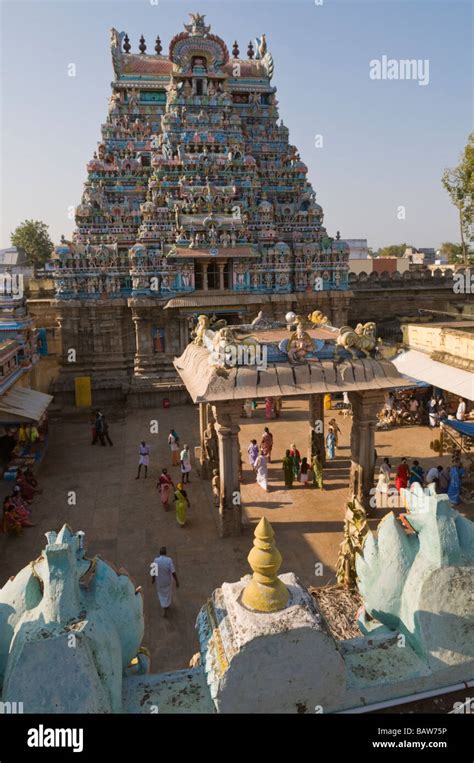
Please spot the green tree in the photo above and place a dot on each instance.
(453, 252)
(33, 237)
(459, 183)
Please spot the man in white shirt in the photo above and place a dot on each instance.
(185, 463)
(163, 569)
(461, 411)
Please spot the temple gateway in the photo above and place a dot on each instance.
(195, 203)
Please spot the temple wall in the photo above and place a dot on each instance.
(104, 332)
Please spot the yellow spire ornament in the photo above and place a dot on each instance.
(265, 592)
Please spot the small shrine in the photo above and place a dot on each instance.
(225, 366)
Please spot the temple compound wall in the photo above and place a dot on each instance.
(387, 299)
(265, 646)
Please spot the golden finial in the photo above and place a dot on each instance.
(265, 592)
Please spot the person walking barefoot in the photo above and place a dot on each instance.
(163, 571)
(185, 459)
(144, 459)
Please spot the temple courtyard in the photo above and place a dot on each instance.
(125, 523)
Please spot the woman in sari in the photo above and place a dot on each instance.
(402, 476)
(295, 455)
(330, 444)
(27, 492)
(383, 484)
(262, 471)
(317, 467)
(416, 474)
(268, 407)
(456, 473)
(21, 507)
(181, 504)
(31, 480)
(12, 522)
(333, 424)
(288, 469)
(384, 477)
(252, 450)
(164, 484)
(173, 442)
(266, 444)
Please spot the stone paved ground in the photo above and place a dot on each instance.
(125, 523)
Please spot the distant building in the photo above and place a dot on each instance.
(440, 354)
(424, 256)
(13, 260)
(429, 255)
(358, 249)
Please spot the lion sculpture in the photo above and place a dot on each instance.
(361, 338)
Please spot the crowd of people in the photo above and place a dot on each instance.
(407, 408)
(17, 508)
(295, 468)
(447, 480)
(167, 488)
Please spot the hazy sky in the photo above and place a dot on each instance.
(385, 142)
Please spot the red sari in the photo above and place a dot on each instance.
(22, 510)
(403, 474)
(27, 492)
(266, 444)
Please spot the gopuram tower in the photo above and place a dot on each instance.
(195, 203)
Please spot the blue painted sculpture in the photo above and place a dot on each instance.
(421, 583)
(76, 618)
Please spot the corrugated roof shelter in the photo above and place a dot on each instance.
(204, 384)
(23, 405)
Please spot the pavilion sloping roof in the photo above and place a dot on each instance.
(205, 384)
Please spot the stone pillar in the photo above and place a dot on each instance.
(365, 406)
(205, 266)
(68, 320)
(227, 414)
(316, 413)
(144, 355)
(203, 421)
(221, 266)
(183, 333)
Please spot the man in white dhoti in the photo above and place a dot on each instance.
(163, 569)
(144, 458)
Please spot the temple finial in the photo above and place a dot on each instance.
(235, 49)
(158, 46)
(265, 592)
(250, 50)
(142, 45)
(126, 44)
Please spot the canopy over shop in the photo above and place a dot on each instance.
(23, 418)
(419, 365)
